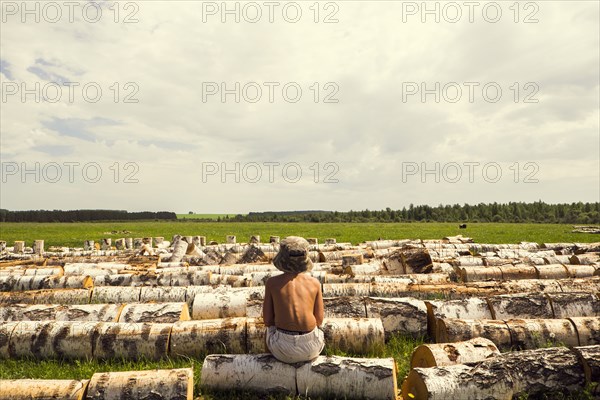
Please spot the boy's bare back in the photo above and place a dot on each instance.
(293, 302)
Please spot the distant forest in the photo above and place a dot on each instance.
(574, 213)
(81, 215)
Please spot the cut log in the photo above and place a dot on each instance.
(450, 330)
(567, 305)
(53, 339)
(442, 354)
(536, 333)
(19, 247)
(142, 385)
(164, 294)
(6, 329)
(581, 271)
(552, 271)
(346, 289)
(354, 335)
(520, 306)
(413, 260)
(155, 312)
(220, 305)
(42, 312)
(532, 286)
(199, 338)
(471, 308)
(260, 373)
(343, 307)
(112, 295)
(474, 274)
(406, 315)
(507, 376)
(252, 255)
(348, 378)
(62, 296)
(132, 341)
(590, 358)
(179, 250)
(9, 283)
(42, 389)
(588, 330)
(519, 271)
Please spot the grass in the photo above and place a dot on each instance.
(204, 216)
(73, 234)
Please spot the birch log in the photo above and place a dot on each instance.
(354, 335)
(552, 271)
(348, 378)
(519, 271)
(477, 273)
(53, 339)
(176, 384)
(260, 373)
(155, 312)
(567, 305)
(220, 305)
(132, 341)
(163, 294)
(590, 358)
(42, 389)
(111, 294)
(62, 296)
(535, 333)
(198, 338)
(588, 330)
(57, 312)
(399, 315)
(443, 354)
(581, 271)
(179, 250)
(6, 329)
(532, 373)
(471, 308)
(520, 306)
(342, 307)
(450, 330)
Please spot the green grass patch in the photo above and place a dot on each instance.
(204, 216)
(74, 234)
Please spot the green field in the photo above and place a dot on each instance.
(204, 216)
(73, 234)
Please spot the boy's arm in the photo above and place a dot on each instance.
(319, 309)
(268, 309)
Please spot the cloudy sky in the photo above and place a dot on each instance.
(249, 106)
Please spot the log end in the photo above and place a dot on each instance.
(422, 357)
(414, 387)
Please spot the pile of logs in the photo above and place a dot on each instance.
(188, 297)
(469, 372)
(128, 340)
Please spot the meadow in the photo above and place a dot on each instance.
(74, 234)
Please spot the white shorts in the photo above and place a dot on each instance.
(295, 348)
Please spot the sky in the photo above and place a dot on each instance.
(231, 107)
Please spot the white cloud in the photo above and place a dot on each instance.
(371, 134)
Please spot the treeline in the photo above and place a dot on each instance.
(574, 213)
(81, 215)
